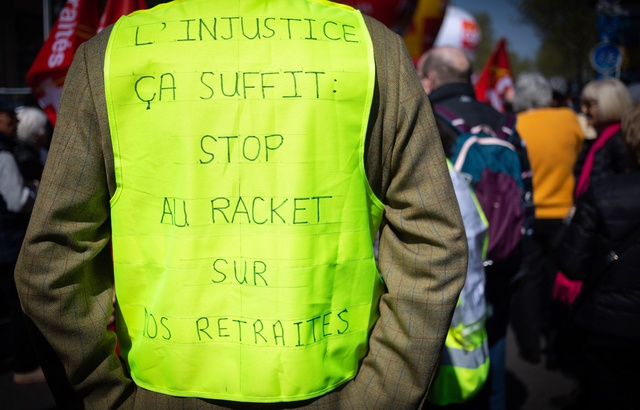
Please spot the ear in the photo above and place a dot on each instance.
(427, 83)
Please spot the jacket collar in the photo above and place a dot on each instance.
(453, 90)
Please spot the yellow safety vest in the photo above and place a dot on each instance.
(464, 365)
(243, 222)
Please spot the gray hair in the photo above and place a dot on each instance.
(32, 125)
(532, 91)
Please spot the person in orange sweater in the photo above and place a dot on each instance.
(554, 138)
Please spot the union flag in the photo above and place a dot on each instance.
(78, 21)
(76, 24)
(495, 82)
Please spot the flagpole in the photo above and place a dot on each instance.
(46, 18)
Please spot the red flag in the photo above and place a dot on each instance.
(118, 8)
(76, 24)
(395, 14)
(495, 81)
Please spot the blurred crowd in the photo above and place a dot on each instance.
(572, 296)
(570, 286)
(25, 134)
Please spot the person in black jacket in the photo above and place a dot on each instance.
(445, 73)
(603, 102)
(607, 312)
(16, 201)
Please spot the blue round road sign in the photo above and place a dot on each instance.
(606, 57)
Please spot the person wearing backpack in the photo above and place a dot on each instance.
(464, 365)
(445, 73)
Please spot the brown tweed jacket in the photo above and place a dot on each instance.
(65, 272)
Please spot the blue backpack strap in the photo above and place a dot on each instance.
(455, 121)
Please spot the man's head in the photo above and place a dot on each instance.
(443, 65)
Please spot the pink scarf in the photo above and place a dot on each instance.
(585, 175)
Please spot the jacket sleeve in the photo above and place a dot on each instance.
(579, 242)
(66, 261)
(65, 273)
(423, 248)
(17, 197)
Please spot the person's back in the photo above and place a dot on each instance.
(251, 118)
(601, 247)
(240, 160)
(606, 217)
(554, 138)
(446, 77)
(445, 73)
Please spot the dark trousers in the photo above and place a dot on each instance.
(493, 395)
(532, 309)
(24, 356)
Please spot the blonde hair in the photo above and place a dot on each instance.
(631, 131)
(611, 97)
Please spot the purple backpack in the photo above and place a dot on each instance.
(489, 161)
